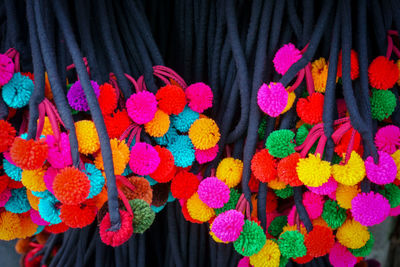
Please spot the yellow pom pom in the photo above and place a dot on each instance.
(396, 158)
(276, 184)
(198, 210)
(319, 72)
(88, 140)
(159, 125)
(230, 171)
(204, 133)
(28, 228)
(33, 179)
(294, 227)
(313, 171)
(290, 101)
(216, 239)
(33, 200)
(352, 234)
(268, 256)
(10, 225)
(120, 153)
(351, 173)
(345, 194)
(47, 126)
(320, 221)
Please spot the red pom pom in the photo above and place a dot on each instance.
(341, 147)
(78, 216)
(108, 98)
(287, 170)
(71, 186)
(310, 109)
(28, 154)
(7, 135)
(184, 185)
(272, 201)
(253, 184)
(354, 66)
(263, 166)
(186, 214)
(12, 184)
(4, 180)
(171, 99)
(166, 169)
(117, 123)
(120, 236)
(303, 260)
(383, 73)
(57, 228)
(319, 241)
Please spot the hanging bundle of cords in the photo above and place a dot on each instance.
(198, 133)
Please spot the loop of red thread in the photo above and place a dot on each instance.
(350, 146)
(40, 125)
(393, 32)
(396, 51)
(53, 121)
(55, 111)
(14, 55)
(389, 47)
(133, 134)
(321, 145)
(309, 80)
(302, 51)
(138, 134)
(141, 84)
(299, 79)
(112, 80)
(132, 80)
(310, 142)
(228, 151)
(162, 78)
(171, 72)
(338, 134)
(70, 67)
(213, 172)
(125, 201)
(310, 135)
(127, 131)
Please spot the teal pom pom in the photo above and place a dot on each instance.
(12, 171)
(276, 226)
(151, 180)
(127, 171)
(45, 194)
(366, 249)
(285, 192)
(167, 138)
(231, 204)
(291, 244)
(184, 120)
(143, 215)
(39, 229)
(392, 193)
(333, 215)
(49, 212)
(170, 197)
(158, 209)
(251, 239)
(280, 143)
(17, 92)
(96, 179)
(18, 202)
(183, 151)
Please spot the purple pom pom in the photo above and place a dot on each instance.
(213, 192)
(228, 225)
(77, 98)
(382, 173)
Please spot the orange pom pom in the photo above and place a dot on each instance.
(23, 246)
(108, 98)
(7, 135)
(310, 109)
(78, 216)
(263, 166)
(166, 169)
(186, 214)
(383, 73)
(171, 99)
(57, 228)
(28, 154)
(71, 186)
(287, 170)
(341, 147)
(319, 241)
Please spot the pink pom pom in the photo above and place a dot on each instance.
(5, 196)
(382, 173)
(387, 139)
(142, 107)
(314, 204)
(199, 96)
(120, 236)
(228, 225)
(325, 189)
(213, 192)
(394, 211)
(144, 159)
(48, 178)
(272, 98)
(244, 262)
(59, 152)
(204, 156)
(340, 256)
(370, 208)
(6, 69)
(36, 218)
(286, 56)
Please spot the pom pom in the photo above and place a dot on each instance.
(285, 57)
(319, 71)
(272, 99)
(291, 244)
(143, 215)
(142, 107)
(354, 66)
(77, 97)
(198, 210)
(121, 235)
(96, 179)
(78, 216)
(182, 150)
(383, 103)
(71, 186)
(18, 202)
(382, 173)
(302, 133)
(57, 228)
(36, 218)
(345, 194)
(184, 120)
(142, 190)
(352, 172)
(6, 69)
(7, 133)
(326, 188)
(48, 210)
(184, 185)
(167, 138)
(231, 204)
(204, 133)
(251, 240)
(366, 249)
(28, 154)
(352, 234)
(144, 159)
(310, 109)
(340, 256)
(285, 192)
(387, 139)
(108, 98)
(269, 255)
(287, 170)
(120, 154)
(12, 171)
(319, 241)
(207, 155)
(314, 204)
(229, 171)
(10, 225)
(313, 171)
(280, 143)
(383, 73)
(59, 155)
(33, 200)
(392, 193)
(244, 262)
(333, 215)
(199, 96)
(166, 169)
(396, 157)
(370, 208)
(228, 225)
(4, 180)
(213, 192)
(159, 125)
(264, 166)
(48, 178)
(88, 140)
(276, 184)
(33, 179)
(276, 226)
(117, 123)
(290, 102)
(17, 92)
(171, 99)
(160, 194)
(5, 196)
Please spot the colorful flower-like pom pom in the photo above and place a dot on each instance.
(18, 202)
(276, 226)
(198, 210)
(144, 159)
(314, 204)
(340, 256)
(184, 185)
(166, 169)
(184, 120)
(310, 109)
(17, 92)
(28, 154)
(33, 179)
(142, 107)
(96, 179)
(269, 255)
(396, 157)
(352, 172)
(231, 204)
(88, 140)
(204, 133)
(280, 143)
(382, 173)
(229, 171)
(319, 241)
(120, 236)
(7, 134)
(49, 211)
(352, 234)
(120, 154)
(143, 215)
(383, 103)
(182, 150)
(326, 188)
(264, 166)
(142, 190)
(227, 226)
(199, 96)
(207, 155)
(333, 215)
(370, 208)
(366, 249)
(291, 244)
(171, 99)
(383, 73)
(77, 97)
(345, 194)
(313, 171)
(167, 138)
(6, 69)
(108, 98)
(287, 170)
(319, 71)
(251, 240)
(272, 99)
(387, 139)
(354, 65)
(285, 57)
(392, 193)
(78, 216)
(12, 171)
(59, 151)
(117, 123)
(159, 125)
(213, 192)
(71, 186)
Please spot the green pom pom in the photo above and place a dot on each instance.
(231, 204)
(366, 249)
(283, 261)
(285, 192)
(280, 143)
(262, 128)
(276, 226)
(336, 159)
(383, 103)
(251, 240)
(143, 215)
(302, 133)
(333, 214)
(392, 193)
(291, 244)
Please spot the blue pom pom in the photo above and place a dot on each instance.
(48, 211)
(17, 92)
(170, 197)
(167, 138)
(157, 209)
(45, 194)
(12, 171)
(18, 202)
(96, 179)
(127, 171)
(151, 180)
(39, 229)
(183, 151)
(184, 120)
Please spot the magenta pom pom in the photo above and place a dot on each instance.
(244, 262)
(6, 69)
(36, 218)
(272, 98)
(382, 173)
(48, 178)
(387, 139)
(314, 204)
(286, 56)
(199, 96)
(144, 159)
(326, 188)
(228, 225)
(394, 211)
(204, 156)
(370, 208)
(340, 256)
(77, 98)
(142, 107)
(5, 196)
(59, 152)
(213, 192)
